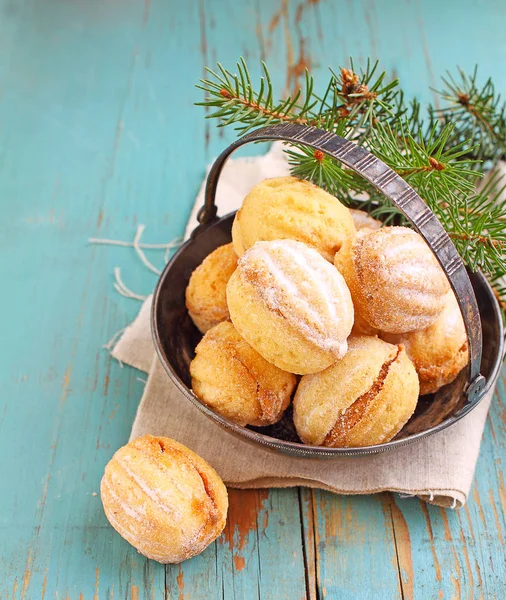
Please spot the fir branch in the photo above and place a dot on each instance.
(366, 95)
(425, 162)
(479, 111)
(364, 99)
(441, 154)
(473, 223)
(323, 170)
(358, 101)
(237, 103)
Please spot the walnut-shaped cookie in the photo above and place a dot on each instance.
(361, 400)
(438, 352)
(230, 377)
(206, 298)
(363, 220)
(395, 281)
(290, 208)
(164, 499)
(291, 305)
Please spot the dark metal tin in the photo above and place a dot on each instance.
(175, 337)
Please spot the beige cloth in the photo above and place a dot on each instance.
(438, 469)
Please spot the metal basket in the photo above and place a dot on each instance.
(175, 335)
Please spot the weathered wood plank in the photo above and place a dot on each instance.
(356, 550)
(259, 555)
(460, 554)
(307, 516)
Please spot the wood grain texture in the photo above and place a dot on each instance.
(98, 133)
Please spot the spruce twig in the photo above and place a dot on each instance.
(479, 112)
(441, 153)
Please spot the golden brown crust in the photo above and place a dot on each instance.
(357, 411)
(235, 381)
(164, 499)
(291, 305)
(237, 236)
(289, 208)
(438, 352)
(395, 281)
(363, 399)
(206, 297)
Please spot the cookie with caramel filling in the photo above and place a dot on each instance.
(361, 400)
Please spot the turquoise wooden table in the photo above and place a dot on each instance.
(98, 133)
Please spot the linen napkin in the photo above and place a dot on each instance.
(438, 469)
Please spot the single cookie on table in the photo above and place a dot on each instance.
(206, 298)
(363, 220)
(438, 352)
(164, 499)
(395, 281)
(289, 208)
(291, 305)
(230, 377)
(363, 399)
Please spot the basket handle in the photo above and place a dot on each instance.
(400, 194)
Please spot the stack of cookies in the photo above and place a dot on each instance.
(319, 305)
(314, 305)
